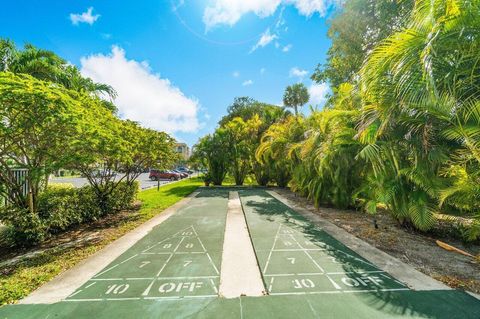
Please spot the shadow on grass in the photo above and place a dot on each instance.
(19, 279)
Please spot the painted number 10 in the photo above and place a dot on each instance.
(303, 283)
(117, 289)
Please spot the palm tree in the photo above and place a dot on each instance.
(296, 95)
(420, 124)
(7, 54)
(46, 65)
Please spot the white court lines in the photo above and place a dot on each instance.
(145, 251)
(305, 249)
(271, 283)
(151, 278)
(138, 298)
(177, 253)
(170, 237)
(170, 257)
(147, 291)
(336, 291)
(271, 250)
(205, 250)
(187, 238)
(329, 273)
(174, 252)
(306, 252)
(115, 266)
(330, 248)
(287, 233)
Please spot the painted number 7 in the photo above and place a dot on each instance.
(292, 260)
(186, 263)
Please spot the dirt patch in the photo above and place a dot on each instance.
(412, 247)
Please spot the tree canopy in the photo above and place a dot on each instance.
(296, 95)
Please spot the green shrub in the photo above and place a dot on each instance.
(122, 196)
(24, 228)
(62, 206)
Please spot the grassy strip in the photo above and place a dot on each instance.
(230, 181)
(21, 279)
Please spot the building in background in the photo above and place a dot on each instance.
(183, 150)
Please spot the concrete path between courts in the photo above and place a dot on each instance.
(240, 275)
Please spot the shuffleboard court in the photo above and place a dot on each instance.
(179, 258)
(174, 272)
(296, 257)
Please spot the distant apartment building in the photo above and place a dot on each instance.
(183, 150)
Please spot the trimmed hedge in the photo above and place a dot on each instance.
(62, 206)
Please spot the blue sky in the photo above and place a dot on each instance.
(177, 64)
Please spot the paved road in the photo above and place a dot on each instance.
(174, 271)
(143, 179)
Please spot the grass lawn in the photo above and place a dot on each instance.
(230, 181)
(18, 281)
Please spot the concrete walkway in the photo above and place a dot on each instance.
(240, 275)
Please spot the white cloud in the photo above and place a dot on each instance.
(299, 73)
(287, 48)
(262, 71)
(236, 74)
(229, 12)
(247, 83)
(265, 39)
(143, 96)
(309, 7)
(85, 17)
(318, 93)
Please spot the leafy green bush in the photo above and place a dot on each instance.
(24, 227)
(62, 206)
(122, 196)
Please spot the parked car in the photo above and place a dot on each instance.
(184, 170)
(182, 174)
(156, 175)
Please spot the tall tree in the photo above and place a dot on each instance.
(246, 108)
(420, 122)
(295, 96)
(212, 151)
(242, 137)
(355, 30)
(46, 65)
(40, 126)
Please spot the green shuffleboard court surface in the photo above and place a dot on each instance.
(295, 257)
(180, 258)
(174, 272)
